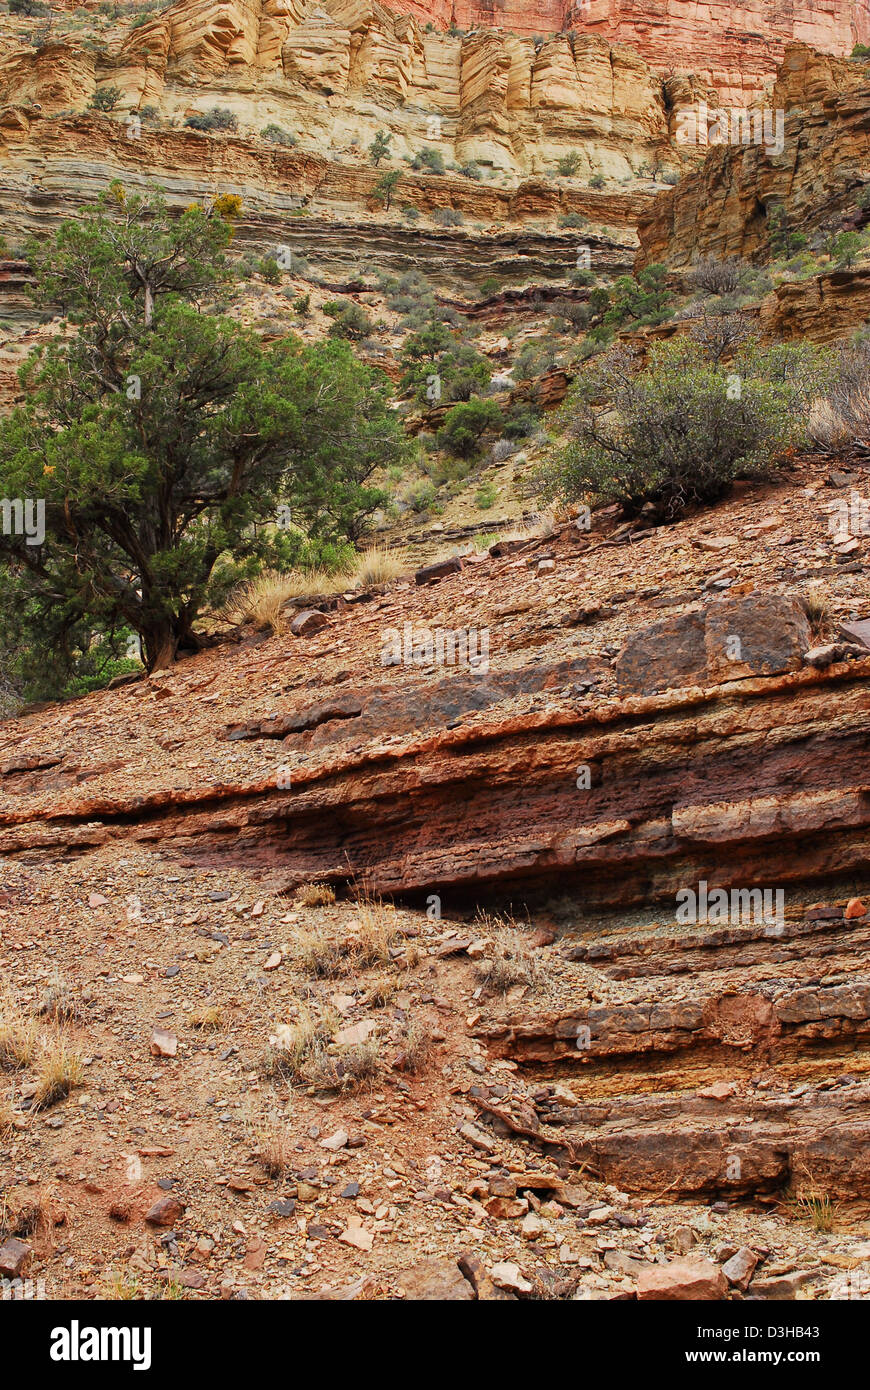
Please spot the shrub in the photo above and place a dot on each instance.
(471, 170)
(380, 147)
(464, 425)
(715, 276)
(351, 322)
(105, 99)
(573, 219)
(486, 496)
(218, 118)
(33, 9)
(448, 217)
(679, 432)
(491, 285)
(783, 240)
(429, 159)
(642, 299)
(270, 270)
(597, 181)
(386, 187)
(569, 164)
(277, 135)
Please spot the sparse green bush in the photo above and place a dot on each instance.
(429, 159)
(448, 217)
(105, 99)
(569, 164)
(218, 118)
(597, 181)
(277, 135)
(351, 322)
(679, 432)
(465, 424)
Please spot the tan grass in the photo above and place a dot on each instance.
(18, 1033)
(59, 1071)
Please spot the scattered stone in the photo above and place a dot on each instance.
(682, 1279)
(14, 1258)
(309, 621)
(507, 1276)
(440, 570)
(165, 1212)
(336, 1141)
(434, 1280)
(740, 1268)
(163, 1044)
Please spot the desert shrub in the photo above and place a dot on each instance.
(277, 135)
(782, 238)
(448, 217)
(270, 270)
(380, 147)
(573, 219)
(597, 181)
(471, 170)
(465, 424)
(679, 432)
(641, 299)
(352, 322)
(429, 159)
(218, 118)
(105, 99)
(716, 277)
(569, 164)
(841, 419)
(486, 496)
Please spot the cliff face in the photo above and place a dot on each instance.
(733, 46)
(335, 73)
(722, 207)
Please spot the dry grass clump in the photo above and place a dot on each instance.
(121, 1286)
(208, 1018)
(18, 1033)
(379, 566)
(810, 1202)
(345, 1068)
(416, 1044)
(316, 895)
(817, 606)
(508, 961)
(272, 1144)
(368, 944)
(60, 1071)
(58, 1002)
(303, 1052)
(262, 600)
(7, 1117)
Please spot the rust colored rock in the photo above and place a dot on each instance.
(755, 635)
(854, 908)
(478, 1276)
(14, 1258)
(166, 1211)
(440, 570)
(309, 621)
(667, 655)
(436, 1281)
(681, 1280)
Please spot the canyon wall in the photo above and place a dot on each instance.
(733, 46)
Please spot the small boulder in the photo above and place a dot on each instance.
(309, 621)
(740, 1268)
(440, 570)
(689, 1280)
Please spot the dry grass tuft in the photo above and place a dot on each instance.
(60, 1071)
(18, 1033)
(379, 566)
(272, 1144)
(508, 961)
(316, 895)
(368, 944)
(810, 1202)
(817, 606)
(208, 1018)
(416, 1043)
(262, 601)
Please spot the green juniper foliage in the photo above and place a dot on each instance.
(162, 440)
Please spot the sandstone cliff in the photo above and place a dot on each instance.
(722, 207)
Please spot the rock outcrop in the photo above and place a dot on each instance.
(815, 171)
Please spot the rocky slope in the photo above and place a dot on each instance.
(585, 1096)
